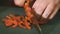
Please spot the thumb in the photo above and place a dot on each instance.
(55, 11)
(19, 2)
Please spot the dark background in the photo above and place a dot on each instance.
(7, 3)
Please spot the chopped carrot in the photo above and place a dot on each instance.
(7, 22)
(21, 24)
(27, 24)
(21, 21)
(14, 24)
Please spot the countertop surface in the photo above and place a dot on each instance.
(52, 27)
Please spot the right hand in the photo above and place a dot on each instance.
(42, 5)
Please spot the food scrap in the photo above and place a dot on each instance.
(22, 21)
(14, 21)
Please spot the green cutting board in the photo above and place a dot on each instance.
(52, 27)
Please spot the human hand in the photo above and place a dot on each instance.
(45, 8)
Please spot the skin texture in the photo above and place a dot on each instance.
(43, 7)
(19, 2)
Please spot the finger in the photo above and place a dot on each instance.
(54, 13)
(34, 5)
(48, 10)
(59, 5)
(41, 7)
(37, 2)
(19, 2)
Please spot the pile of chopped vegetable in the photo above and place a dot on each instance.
(15, 21)
(21, 21)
